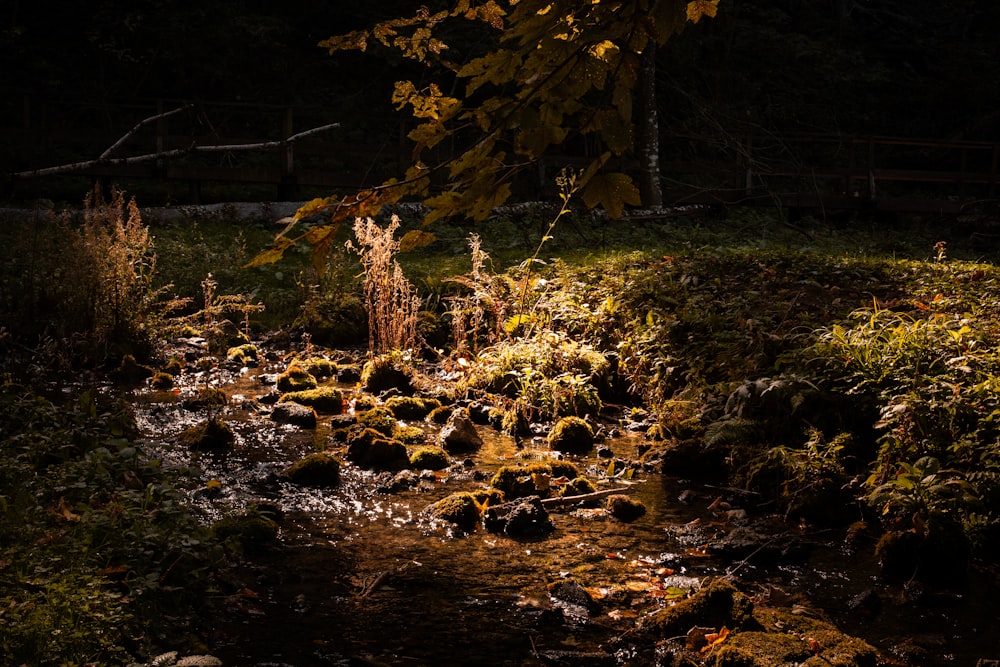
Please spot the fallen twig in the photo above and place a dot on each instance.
(572, 500)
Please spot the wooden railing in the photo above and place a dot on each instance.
(741, 168)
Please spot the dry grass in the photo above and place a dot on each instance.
(390, 299)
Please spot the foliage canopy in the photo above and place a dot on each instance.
(558, 72)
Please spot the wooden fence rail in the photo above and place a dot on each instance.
(742, 168)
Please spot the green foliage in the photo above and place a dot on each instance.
(549, 373)
(99, 549)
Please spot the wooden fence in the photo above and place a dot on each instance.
(740, 168)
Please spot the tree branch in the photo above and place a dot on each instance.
(106, 161)
(571, 500)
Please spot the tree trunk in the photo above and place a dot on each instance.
(648, 131)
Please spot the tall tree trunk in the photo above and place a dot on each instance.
(648, 131)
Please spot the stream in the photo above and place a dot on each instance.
(362, 576)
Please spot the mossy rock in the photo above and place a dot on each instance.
(623, 508)
(379, 419)
(209, 435)
(295, 378)
(384, 373)
(828, 646)
(319, 469)
(368, 448)
(440, 415)
(222, 335)
(325, 400)
(251, 530)
(717, 604)
(578, 486)
(296, 414)
(207, 397)
(571, 435)
(520, 481)
(460, 509)
(131, 371)
(410, 435)
(242, 354)
(364, 402)
(411, 407)
(162, 380)
(319, 367)
(430, 457)
(566, 469)
(174, 367)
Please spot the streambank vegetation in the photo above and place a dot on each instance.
(842, 373)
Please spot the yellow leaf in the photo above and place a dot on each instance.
(415, 238)
(65, 511)
(698, 8)
(540, 480)
(612, 191)
(272, 254)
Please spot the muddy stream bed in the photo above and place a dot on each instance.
(362, 576)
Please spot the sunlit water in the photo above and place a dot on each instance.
(365, 577)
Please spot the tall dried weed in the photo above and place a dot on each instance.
(390, 299)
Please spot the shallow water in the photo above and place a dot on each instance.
(364, 577)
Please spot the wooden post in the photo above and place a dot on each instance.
(288, 188)
(964, 164)
(161, 134)
(993, 171)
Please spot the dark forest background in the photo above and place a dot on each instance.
(902, 68)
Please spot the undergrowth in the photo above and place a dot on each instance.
(101, 562)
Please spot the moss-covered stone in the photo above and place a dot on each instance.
(364, 402)
(410, 435)
(319, 469)
(534, 479)
(162, 380)
(379, 419)
(296, 414)
(295, 378)
(242, 354)
(174, 366)
(411, 407)
(368, 448)
(131, 371)
(825, 644)
(571, 435)
(717, 604)
(325, 400)
(251, 530)
(207, 397)
(209, 435)
(578, 486)
(320, 367)
(459, 508)
(384, 373)
(624, 508)
(440, 415)
(430, 457)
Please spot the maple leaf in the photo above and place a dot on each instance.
(698, 8)
(415, 238)
(612, 191)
